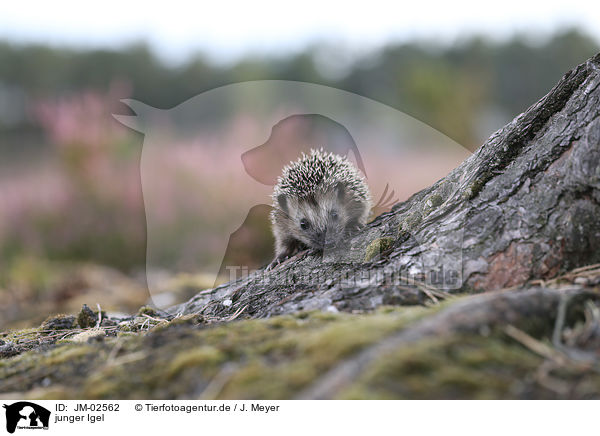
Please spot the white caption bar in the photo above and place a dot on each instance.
(299, 417)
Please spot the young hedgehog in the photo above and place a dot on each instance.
(318, 201)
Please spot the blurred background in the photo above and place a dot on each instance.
(72, 222)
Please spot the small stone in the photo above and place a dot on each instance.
(87, 317)
(60, 322)
(88, 336)
(147, 310)
(8, 350)
(107, 322)
(227, 303)
(581, 281)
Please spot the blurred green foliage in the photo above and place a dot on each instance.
(465, 90)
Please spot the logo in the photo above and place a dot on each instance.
(210, 164)
(26, 415)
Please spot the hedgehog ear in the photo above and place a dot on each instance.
(282, 200)
(340, 189)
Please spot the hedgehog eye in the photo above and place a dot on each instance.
(304, 224)
(334, 215)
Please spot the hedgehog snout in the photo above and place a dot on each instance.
(331, 238)
(320, 237)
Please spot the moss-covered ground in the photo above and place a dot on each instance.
(278, 358)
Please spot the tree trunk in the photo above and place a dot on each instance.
(524, 206)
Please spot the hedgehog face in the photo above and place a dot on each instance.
(323, 219)
(318, 201)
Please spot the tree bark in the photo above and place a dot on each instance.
(524, 206)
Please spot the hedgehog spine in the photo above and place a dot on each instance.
(318, 201)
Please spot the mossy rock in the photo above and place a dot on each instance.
(88, 317)
(59, 322)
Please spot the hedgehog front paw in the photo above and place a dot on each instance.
(313, 252)
(277, 261)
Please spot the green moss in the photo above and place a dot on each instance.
(338, 340)
(87, 317)
(279, 357)
(189, 320)
(431, 203)
(456, 366)
(434, 200)
(410, 223)
(196, 357)
(67, 353)
(475, 187)
(108, 383)
(284, 322)
(128, 328)
(21, 336)
(147, 310)
(377, 246)
(272, 357)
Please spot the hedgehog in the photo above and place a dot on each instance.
(319, 200)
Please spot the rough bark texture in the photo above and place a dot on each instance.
(524, 206)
